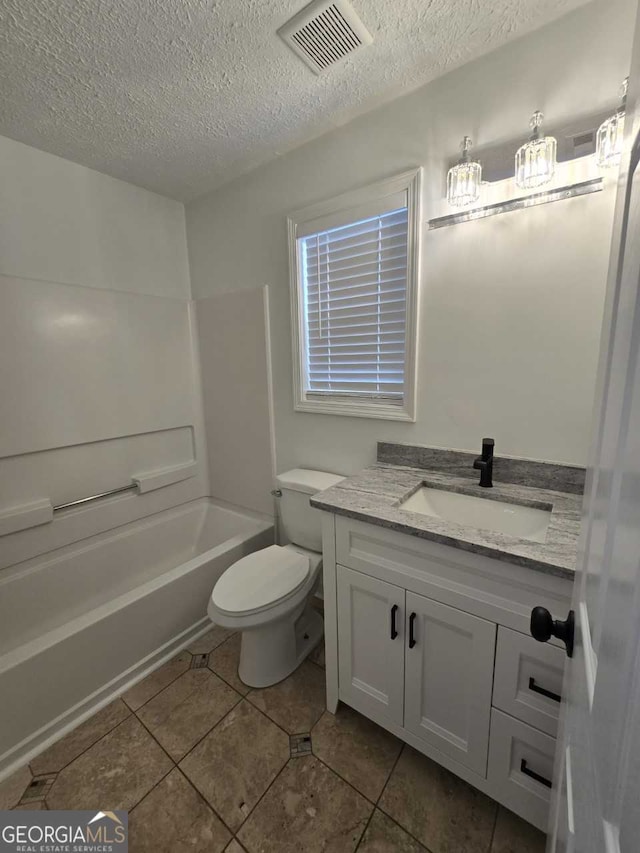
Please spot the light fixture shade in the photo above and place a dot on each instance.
(464, 179)
(536, 159)
(610, 135)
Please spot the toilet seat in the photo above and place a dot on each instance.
(260, 581)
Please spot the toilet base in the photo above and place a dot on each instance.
(269, 653)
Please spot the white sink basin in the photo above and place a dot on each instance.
(522, 522)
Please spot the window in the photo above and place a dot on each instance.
(354, 268)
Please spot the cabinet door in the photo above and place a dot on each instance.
(448, 679)
(371, 645)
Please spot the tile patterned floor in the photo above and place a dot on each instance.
(203, 763)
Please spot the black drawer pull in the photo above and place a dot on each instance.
(412, 639)
(548, 693)
(527, 772)
(394, 632)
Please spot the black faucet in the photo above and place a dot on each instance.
(484, 463)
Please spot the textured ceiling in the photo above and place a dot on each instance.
(180, 96)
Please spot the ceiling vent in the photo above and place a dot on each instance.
(324, 32)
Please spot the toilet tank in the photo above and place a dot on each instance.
(301, 522)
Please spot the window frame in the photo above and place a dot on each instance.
(409, 182)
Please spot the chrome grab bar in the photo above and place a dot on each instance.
(108, 494)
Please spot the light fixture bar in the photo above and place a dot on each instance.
(584, 188)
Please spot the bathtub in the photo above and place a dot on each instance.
(82, 624)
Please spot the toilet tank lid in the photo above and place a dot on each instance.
(307, 481)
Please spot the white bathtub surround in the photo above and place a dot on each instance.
(235, 367)
(41, 512)
(32, 514)
(112, 397)
(61, 222)
(97, 364)
(80, 625)
(96, 326)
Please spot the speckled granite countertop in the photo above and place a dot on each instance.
(374, 496)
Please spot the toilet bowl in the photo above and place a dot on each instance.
(266, 595)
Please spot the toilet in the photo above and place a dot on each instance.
(266, 595)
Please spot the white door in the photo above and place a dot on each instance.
(370, 645)
(596, 803)
(448, 679)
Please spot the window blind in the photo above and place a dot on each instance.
(354, 283)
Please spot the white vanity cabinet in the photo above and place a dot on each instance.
(432, 642)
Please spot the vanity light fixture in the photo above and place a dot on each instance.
(610, 133)
(536, 159)
(463, 179)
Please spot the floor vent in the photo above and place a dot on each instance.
(38, 789)
(324, 32)
(300, 745)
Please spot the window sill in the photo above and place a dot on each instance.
(352, 409)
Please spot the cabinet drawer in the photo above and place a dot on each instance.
(521, 767)
(528, 679)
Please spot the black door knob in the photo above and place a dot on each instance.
(544, 626)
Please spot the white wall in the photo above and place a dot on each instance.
(234, 364)
(98, 372)
(510, 306)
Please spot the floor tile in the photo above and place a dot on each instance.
(224, 662)
(30, 807)
(446, 814)
(317, 656)
(156, 681)
(187, 709)
(13, 787)
(234, 847)
(360, 751)
(81, 738)
(174, 818)
(296, 703)
(514, 835)
(236, 762)
(116, 772)
(385, 836)
(210, 641)
(308, 808)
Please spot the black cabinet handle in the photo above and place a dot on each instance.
(394, 632)
(536, 689)
(527, 772)
(412, 639)
(544, 626)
